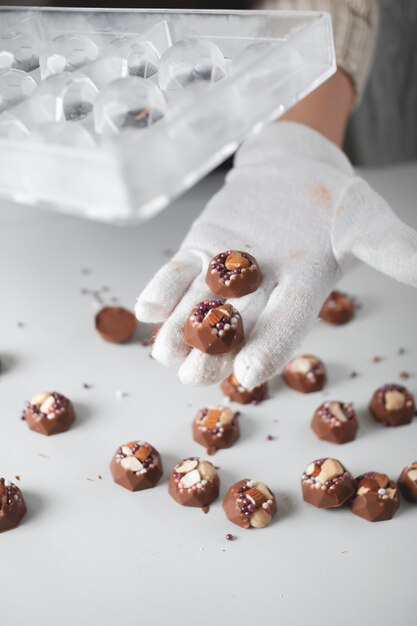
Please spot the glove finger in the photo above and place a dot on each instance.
(167, 287)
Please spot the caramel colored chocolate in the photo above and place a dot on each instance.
(216, 427)
(250, 504)
(49, 413)
(338, 308)
(233, 390)
(393, 405)
(214, 327)
(136, 466)
(115, 324)
(335, 422)
(12, 505)
(327, 484)
(305, 373)
(194, 483)
(233, 274)
(407, 482)
(376, 497)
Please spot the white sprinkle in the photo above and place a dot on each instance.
(142, 471)
(250, 483)
(50, 416)
(127, 451)
(16, 497)
(227, 283)
(233, 320)
(381, 492)
(204, 482)
(226, 326)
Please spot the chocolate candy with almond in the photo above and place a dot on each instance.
(376, 497)
(136, 466)
(49, 413)
(233, 274)
(115, 324)
(335, 422)
(393, 405)
(216, 427)
(194, 482)
(338, 308)
(12, 505)
(233, 390)
(250, 504)
(407, 482)
(327, 484)
(214, 327)
(305, 373)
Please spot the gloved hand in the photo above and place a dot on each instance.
(293, 201)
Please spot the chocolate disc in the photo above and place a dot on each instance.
(49, 413)
(194, 483)
(214, 327)
(327, 484)
(335, 422)
(115, 324)
(136, 466)
(338, 308)
(250, 504)
(407, 482)
(305, 373)
(216, 427)
(233, 390)
(12, 505)
(376, 497)
(233, 274)
(393, 405)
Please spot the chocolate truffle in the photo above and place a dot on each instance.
(233, 274)
(216, 427)
(136, 466)
(327, 484)
(335, 422)
(115, 324)
(305, 373)
(233, 390)
(250, 504)
(393, 405)
(194, 483)
(376, 497)
(12, 505)
(214, 327)
(407, 482)
(338, 308)
(49, 413)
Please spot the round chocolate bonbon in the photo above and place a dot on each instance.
(233, 274)
(194, 483)
(49, 413)
(233, 390)
(214, 327)
(12, 505)
(393, 405)
(115, 324)
(327, 484)
(250, 504)
(376, 497)
(216, 427)
(338, 308)
(335, 422)
(305, 373)
(407, 482)
(136, 466)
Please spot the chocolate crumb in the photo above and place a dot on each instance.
(404, 374)
(99, 477)
(87, 386)
(401, 351)
(21, 324)
(17, 477)
(90, 479)
(205, 509)
(353, 374)
(376, 359)
(44, 456)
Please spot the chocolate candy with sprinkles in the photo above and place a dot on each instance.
(407, 482)
(376, 497)
(327, 484)
(233, 274)
(194, 483)
(216, 427)
(115, 324)
(392, 405)
(49, 413)
(250, 504)
(214, 327)
(305, 373)
(136, 466)
(12, 505)
(335, 422)
(236, 392)
(338, 308)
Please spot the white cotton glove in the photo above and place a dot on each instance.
(292, 200)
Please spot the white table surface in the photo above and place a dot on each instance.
(90, 551)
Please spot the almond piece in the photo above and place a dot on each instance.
(264, 489)
(186, 466)
(235, 261)
(390, 492)
(301, 365)
(337, 411)
(330, 469)
(260, 518)
(47, 404)
(312, 470)
(190, 479)
(412, 474)
(362, 490)
(131, 463)
(206, 470)
(226, 416)
(394, 400)
(127, 451)
(39, 398)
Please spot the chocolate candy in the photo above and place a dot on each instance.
(194, 483)
(327, 484)
(12, 505)
(216, 427)
(393, 405)
(305, 373)
(49, 413)
(136, 466)
(233, 274)
(115, 324)
(338, 308)
(407, 482)
(335, 422)
(214, 327)
(250, 504)
(233, 390)
(376, 497)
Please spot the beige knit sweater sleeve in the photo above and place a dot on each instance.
(354, 27)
